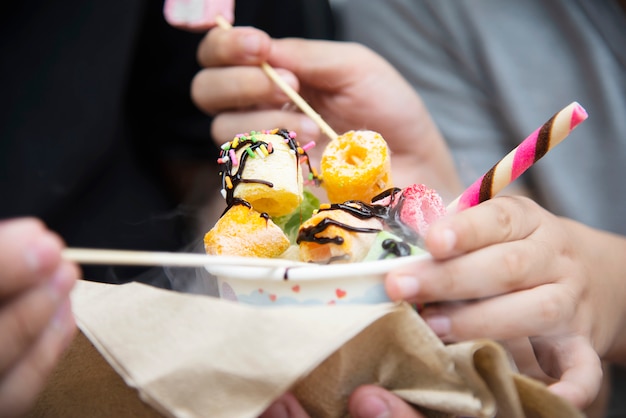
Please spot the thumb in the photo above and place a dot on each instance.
(371, 401)
(577, 366)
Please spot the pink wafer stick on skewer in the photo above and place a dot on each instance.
(521, 158)
(198, 15)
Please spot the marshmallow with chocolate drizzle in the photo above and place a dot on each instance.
(264, 169)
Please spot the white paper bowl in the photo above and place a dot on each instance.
(308, 284)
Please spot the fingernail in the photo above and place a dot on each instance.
(372, 407)
(251, 44)
(309, 128)
(440, 324)
(62, 282)
(63, 318)
(288, 78)
(407, 286)
(448, 238)
(39, 252)
(276, 410)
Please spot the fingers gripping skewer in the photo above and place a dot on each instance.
(290, 92)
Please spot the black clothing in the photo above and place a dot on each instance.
(95, 98)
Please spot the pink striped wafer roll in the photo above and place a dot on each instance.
(521, 158)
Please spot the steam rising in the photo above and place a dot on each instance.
(183, 279)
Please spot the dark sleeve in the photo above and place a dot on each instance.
(96, 95)
(165, 63)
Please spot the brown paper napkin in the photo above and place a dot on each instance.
(196, 356)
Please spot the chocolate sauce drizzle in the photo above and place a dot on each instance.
(396, 248)
(309, 234)
(386, 213)
(252, 143)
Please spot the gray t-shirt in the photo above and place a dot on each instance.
(492, 71)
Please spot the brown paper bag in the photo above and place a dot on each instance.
(85, 385)
(196, 356)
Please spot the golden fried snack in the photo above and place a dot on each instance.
(356, 166)
(242, 231)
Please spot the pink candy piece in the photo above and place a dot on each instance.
(233, 157)
(197, 15)
(308, 145)
(522, 157)
(420, 207)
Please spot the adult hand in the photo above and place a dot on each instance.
(349, 85)
(36, 321)
(367, 401)
(508, 269)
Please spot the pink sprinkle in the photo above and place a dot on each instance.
(270, 147)
(308, 146)
(233, 158)
(292, 134)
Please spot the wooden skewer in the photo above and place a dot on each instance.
(151, 258)
(290, 92)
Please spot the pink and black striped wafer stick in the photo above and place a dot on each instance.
(521, 158)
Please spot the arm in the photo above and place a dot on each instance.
(523, 272)
(36, 321)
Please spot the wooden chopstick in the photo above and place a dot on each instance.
(151, 258)
(290, 92)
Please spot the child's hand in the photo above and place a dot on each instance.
(507, 269)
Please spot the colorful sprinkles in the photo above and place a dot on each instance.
(252, 146)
